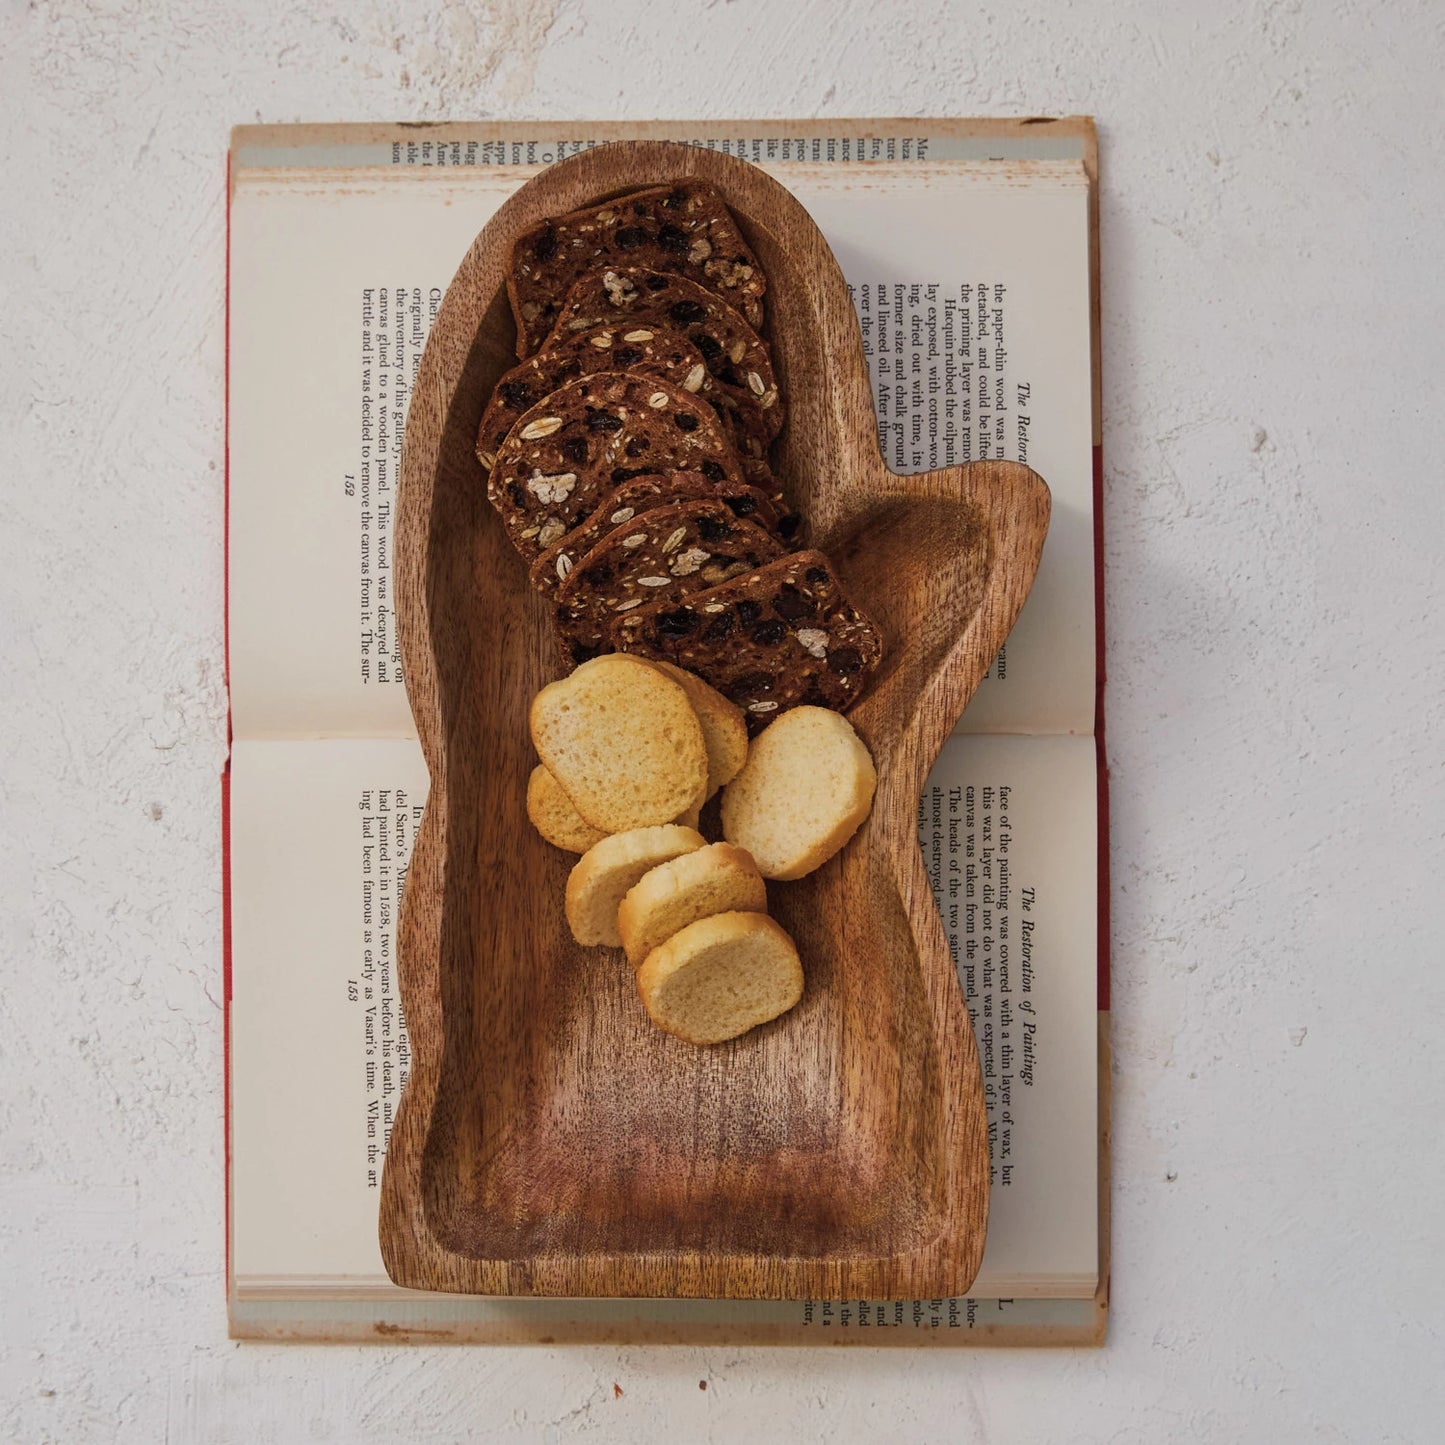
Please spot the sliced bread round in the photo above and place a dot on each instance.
(724, 729)
(715, 879)
(623, 741)
(806, 786)
(690, 815)
(720, 977)
(554, 817)
(607, 870)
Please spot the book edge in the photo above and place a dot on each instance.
(286, 136)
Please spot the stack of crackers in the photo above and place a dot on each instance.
(714, 652)
(628, 457)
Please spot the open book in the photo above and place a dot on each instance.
(969, 251)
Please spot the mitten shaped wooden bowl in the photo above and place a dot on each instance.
(550, 1140)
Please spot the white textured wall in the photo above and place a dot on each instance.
(1273, 324)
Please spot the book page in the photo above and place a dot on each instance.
(321, 835)
(332, 297)
(320, 839)
(972, 287)
(973, 298)
(1009, 831)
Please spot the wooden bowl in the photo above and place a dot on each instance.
(551, 1141)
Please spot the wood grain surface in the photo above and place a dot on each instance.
(550, 1141)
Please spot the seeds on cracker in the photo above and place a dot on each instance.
(619, 289)
(686, 563)
(553, 489)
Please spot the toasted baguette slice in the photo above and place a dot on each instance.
(715, 879)
(720, 977)
(806, 786)
(623, 741)
(554, 817)
(607, 870)
(724, 729)
(690, 815)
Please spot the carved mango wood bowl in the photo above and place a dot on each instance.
(550, 1140)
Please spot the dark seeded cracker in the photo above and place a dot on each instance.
(591, 435)
(770, 640)
(649, 351)
(660, 556)
(643, 494)
(684, 227)
(736, 356)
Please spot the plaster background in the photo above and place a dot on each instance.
(1274, 342)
